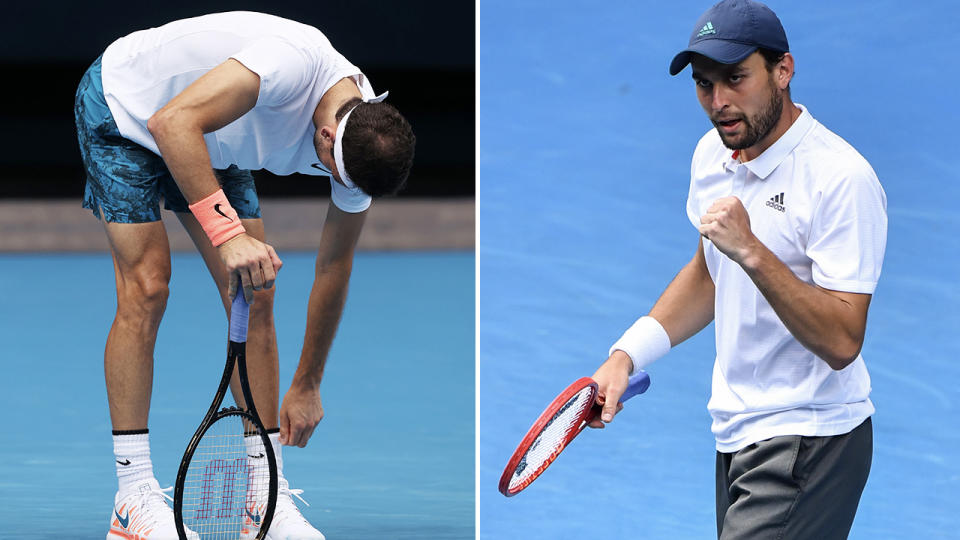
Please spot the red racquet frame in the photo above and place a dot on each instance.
(637, 384)
(539, 426)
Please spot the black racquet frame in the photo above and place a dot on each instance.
(236, 356)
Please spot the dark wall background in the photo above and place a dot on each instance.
(420, 50)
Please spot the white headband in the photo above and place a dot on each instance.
(338, 141)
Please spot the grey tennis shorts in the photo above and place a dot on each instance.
(793, 487)
(124, 179)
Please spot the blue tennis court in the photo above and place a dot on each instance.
(393, 457)
(585, 147)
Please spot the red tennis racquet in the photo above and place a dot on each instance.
(563, 420)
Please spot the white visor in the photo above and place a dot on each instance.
(338, 142)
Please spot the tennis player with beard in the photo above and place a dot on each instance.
(791, 225)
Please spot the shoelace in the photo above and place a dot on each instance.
(163, 493)
(295, 492)
(284, 489)
(151, 506)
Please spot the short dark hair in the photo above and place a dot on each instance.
(771, 57)
(378, 147)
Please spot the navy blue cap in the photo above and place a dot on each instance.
(731, 31)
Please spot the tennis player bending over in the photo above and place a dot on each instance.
(183, 112)
(792, 231)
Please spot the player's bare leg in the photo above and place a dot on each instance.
(141, 260)
(262, 356)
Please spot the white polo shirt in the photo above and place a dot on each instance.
(817, 204)
(296, 63)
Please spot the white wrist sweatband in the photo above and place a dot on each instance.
(644, 342)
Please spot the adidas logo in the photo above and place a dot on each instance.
(776, 202)
(707, 29)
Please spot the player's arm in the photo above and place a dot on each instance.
(219, 97)
(302, 410)
(684, 308)
(830, 324)
(222, 95)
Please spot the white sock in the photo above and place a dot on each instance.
(131, 450)
(258, 458)
(277, 451)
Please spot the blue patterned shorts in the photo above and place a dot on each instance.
(125, 180)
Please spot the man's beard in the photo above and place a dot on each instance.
(757, 127)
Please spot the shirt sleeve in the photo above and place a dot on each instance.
(284, 69)
(693, 201)
(352, 200)
(705, 155)
(848, 233)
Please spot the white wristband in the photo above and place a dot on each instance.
(644, 342)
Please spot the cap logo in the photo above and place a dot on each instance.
(707, 29)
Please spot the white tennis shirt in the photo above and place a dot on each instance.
(296, 63)
(817, 204)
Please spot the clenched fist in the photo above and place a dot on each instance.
(727, 225)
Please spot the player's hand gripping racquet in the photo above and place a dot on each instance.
(563, 420)
(227, 483)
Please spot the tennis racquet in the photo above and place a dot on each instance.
(227, 483)
(563, 420)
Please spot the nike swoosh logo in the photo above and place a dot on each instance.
(124, 462)
(258, 456)
(216, 208)
(255, 518)
(123, 521)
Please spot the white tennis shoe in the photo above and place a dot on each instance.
(142, 514)
(288, 523)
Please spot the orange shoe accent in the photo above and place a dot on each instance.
(125, 535)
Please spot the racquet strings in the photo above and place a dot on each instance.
(553, 437)
(227, 477)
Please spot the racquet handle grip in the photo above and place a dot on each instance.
(638, 384)
(239, 313)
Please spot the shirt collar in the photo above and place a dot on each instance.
(772, 157)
